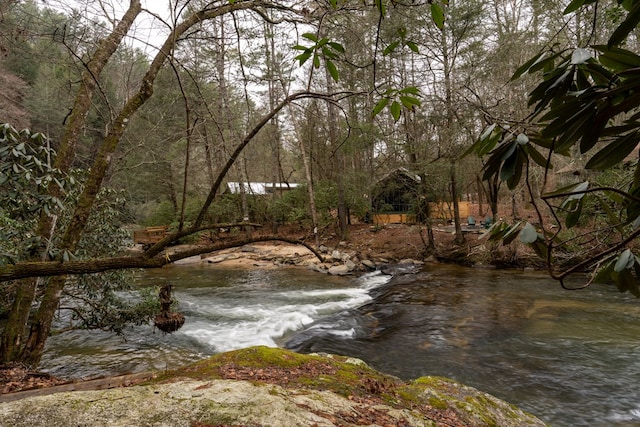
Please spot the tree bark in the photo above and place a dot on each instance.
(41, 324)
(425, 212)
(492, 196)
(450, 130)
(309, 177)
(15, 329)
(480, 190)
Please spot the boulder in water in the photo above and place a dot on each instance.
(369, 264)
(340, 270)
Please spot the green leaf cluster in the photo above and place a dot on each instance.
(396, 100)
(509, 151)
(622, 270)
(525, 231)
(107, 300)
(402, 34)
(589, 95)
(26, 171)
(324, 49)
(25, 175)
(587, 100)
(436, 8)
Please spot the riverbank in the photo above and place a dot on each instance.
(369, 247)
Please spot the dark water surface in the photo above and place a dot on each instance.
(570, 357)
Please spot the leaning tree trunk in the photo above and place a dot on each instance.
(480, 190)
(15, 328)
(41, 324)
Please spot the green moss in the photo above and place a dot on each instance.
(443, 393)
(408, 396)
(426, 391)
(273, 392)
(438, 382)
(265, 365)
(297, 370)
(438, 403)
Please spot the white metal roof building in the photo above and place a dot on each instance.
(259, 188)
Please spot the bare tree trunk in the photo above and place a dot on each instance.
(338, 173)
(459, 239)
(173, 194)
(423, 203)
(41, 324)
(15, 328)
(480, 190)
(515, 214)
(450, 132)
(493, 192)
(309, 177)
(245, 201)
(208, 153)
(187, 154)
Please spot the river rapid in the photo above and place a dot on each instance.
(572, 358)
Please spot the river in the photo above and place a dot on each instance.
(570, 357)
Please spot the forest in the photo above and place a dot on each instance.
(118, 115)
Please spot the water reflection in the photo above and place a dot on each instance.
(569, 357)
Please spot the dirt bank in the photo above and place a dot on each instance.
(382, 244)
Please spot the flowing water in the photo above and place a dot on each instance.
(571, 358)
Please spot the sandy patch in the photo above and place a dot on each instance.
(262, 255)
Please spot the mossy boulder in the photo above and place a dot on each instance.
(262, 386)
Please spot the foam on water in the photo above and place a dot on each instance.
(373, 280)
(630, 418)
(224, 310)
(262, 317)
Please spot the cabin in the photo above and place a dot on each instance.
(394, 198)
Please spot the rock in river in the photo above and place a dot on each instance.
(261, 386)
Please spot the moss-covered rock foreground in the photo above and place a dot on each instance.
(262, 386)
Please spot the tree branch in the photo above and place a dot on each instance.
(24, 270)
